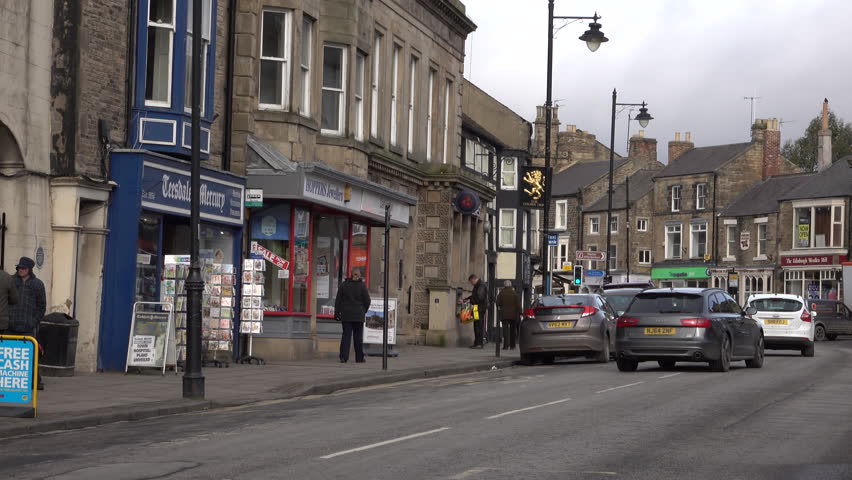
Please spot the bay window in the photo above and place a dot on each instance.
(447, 103)
(412, 101)
(205, 44)
(274, 59)
(429, 114)
(158, 70)
(360, 60)
(307, 49)
(374, 86)
(819, 226)
(673, 241)
(394, 114)
(333, 90)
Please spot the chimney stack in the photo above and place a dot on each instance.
(824, 153)
(539, 129)
(766, 132)
(643, 150)
(677, 147)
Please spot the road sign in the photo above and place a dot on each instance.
(552, 239)
(594, 273)
(590, 255)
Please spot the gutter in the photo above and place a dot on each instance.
(715, 223)
(229, 86)
(130, 73)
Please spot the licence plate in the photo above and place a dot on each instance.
(775, 321)
(560, 324)
(660, 331)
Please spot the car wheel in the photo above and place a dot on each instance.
(808, 350)
(527, 359)
(757, 360)
(831, 336)
(724, 362)
(548, 359)
(819, 334)
(603, 355)
(666, 364)
(626, 365)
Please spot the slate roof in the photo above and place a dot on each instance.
(572, 179)
(702, 160)
(640, 184)
(763, 197)
(834, 181)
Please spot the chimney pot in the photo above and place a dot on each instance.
(642, 133)
(677, 137)
(825, 114)
(688, 137)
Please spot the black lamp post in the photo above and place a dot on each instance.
(193, 380)
(593, 38)
(643, 118)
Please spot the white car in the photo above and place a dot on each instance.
(787, 322)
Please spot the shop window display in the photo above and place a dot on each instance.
(331, 255)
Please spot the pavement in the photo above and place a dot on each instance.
(87, 400)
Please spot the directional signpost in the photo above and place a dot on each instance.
(594, 256)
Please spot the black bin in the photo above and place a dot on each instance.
(57, 335)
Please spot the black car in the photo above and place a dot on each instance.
(832, 319)
(669, 325)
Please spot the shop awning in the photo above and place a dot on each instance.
(315, 182)
(667, 273)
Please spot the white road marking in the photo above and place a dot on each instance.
(470, 473)
(510, 412)
(386, 442)
(619, 387)
(670, 375)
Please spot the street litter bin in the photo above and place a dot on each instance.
(57, 335)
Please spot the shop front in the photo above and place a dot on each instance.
(149, 243)
(665, 277)
(813, 276)
(319, 221)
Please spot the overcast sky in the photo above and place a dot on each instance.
(693, 61)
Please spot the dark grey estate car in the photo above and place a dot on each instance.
(568, 326)
(832, 319)
(671, 325)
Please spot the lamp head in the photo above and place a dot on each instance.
(643, 116)
(593, 36)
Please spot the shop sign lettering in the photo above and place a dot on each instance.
(808, 260)
(270, 257)
(323, 190)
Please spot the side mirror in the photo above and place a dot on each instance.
(750, 311)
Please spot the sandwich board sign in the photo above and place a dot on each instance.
(374, 324)
(152, 336)
(18, 373)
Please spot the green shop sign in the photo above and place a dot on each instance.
(679, 272)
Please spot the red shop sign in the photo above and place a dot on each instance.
(811, 260)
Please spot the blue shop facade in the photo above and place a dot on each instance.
(148, 223)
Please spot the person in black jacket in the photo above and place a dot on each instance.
(478, 297)
(350, 308)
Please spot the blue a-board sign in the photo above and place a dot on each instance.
(553, 239)
(18, 369)
(594, 273)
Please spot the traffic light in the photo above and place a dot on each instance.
(578, 274)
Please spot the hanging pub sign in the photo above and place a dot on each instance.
(467, 203)
(532, 187)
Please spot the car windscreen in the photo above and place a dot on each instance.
(673, 302)
(619, 302)
(557, 300)
(776, 305)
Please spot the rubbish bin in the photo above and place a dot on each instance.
(57, 335)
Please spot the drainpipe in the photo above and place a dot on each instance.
(130, 71)
(229, 86)
(627, 206)
(715, 221)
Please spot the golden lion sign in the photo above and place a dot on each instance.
(533, 182)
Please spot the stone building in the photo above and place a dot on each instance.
(690, 192)
(567, 147)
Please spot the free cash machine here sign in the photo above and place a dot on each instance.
(17, 369)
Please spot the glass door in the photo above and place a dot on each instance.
(148, 258)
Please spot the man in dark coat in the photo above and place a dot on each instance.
(8, 297)
(25, 317)
(350, 308)
(478, 297)
(509, 309)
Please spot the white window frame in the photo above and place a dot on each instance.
(696, 229)
(676, 200)
(375, 82)
(594, 225)
(305, 64)
(430, 110)
(645, 252)
(394, 113)
(206, 10)
(283, 61)
(730, 239)
(341, 92)
(512, 170)
(171, 29)
(525, 221)
(560, 217)
(701, 196)
(447, 103)
(613, 219)
(612, 257)
(761, 250)
(535, 230)
(358, 94)
(505, 227)
(412, 101)
(561, 253)
(831, 242)
(642, 224)
(670, 253)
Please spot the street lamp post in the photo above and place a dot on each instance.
(593, 38)
(643, 118)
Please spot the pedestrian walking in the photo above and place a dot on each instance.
(8, 297)
(479, 298)
(350, 309)
(509, 311)
(26, 316)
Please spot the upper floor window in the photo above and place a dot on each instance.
(644, 256)
(731, 231)
(274, 59)
(535, 231)
(509, 173)
(447, 104)
(507, 227)
(698, 240)
(561, 218)
(430, 110)
(761, 240)
(374, 86)
(641, 224)
(613, 223)
(673, 241)
(594, 225)
(158, 71)
(477, 156)
(675, 198)
(306, 57)
(561, 253)
(612, 257)
(819, 226)
(333, 89)
(412, 101)
(394, 116)
(701, 196)
(360, 61)
(524, 228)
(205, 44)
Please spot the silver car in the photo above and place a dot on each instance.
(568, 326)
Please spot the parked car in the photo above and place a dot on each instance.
(567, 326)
(670, 325)
(620, 298)
(832, 319)
(787, 323)
(640, 285)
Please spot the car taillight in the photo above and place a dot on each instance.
(806, 316)
(695, 322)
(587, 311)
(627, 322)
(529, 313)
